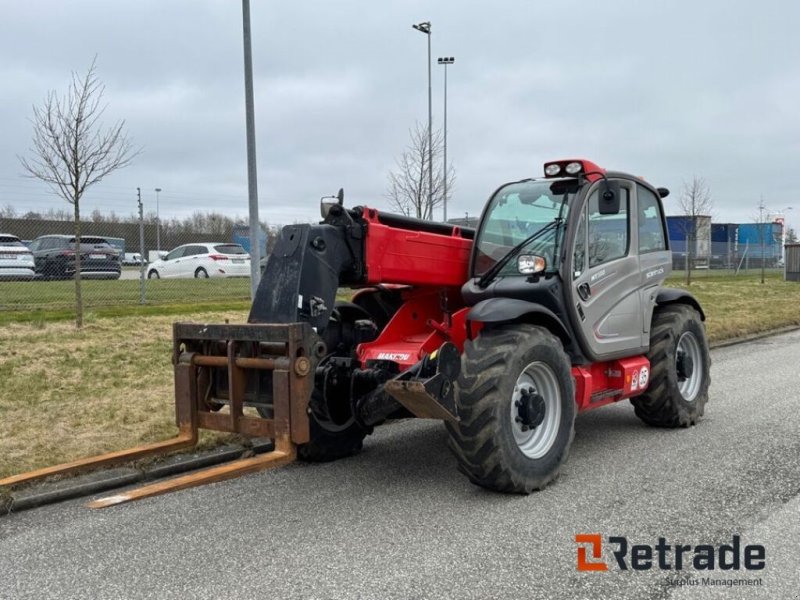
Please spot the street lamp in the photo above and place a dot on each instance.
(446, 60)
(782, 215)
(425, 27)
(158, 224)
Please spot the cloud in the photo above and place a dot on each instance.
(663, 90)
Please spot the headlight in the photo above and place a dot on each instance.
(552, 169)
(530, 264)
(325, 207)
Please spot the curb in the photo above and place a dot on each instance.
(101, 481)
(754, 336)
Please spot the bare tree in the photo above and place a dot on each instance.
(8, 212)
(408, 184)
(72, 151)
(694, 202)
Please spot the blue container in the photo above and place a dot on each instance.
(241, 236)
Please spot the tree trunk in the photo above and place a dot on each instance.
(78, 297)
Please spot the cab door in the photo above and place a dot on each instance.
(606, 277)
(655, 259)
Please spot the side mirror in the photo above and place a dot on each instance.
(608, 203)
(162, 254)
(663, 192)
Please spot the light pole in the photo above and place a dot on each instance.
(158, 224)
(252, 179)
(781, 214)
(447, 60)
(425, 27)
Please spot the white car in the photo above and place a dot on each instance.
(16, 260)
(202, 261)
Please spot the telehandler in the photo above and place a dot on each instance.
(554, 305)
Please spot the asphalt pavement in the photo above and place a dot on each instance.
(398, 521)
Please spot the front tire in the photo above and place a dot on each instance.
(680, 369)
(517, 409)
(332, 437)
(153, 274)
(334, 431)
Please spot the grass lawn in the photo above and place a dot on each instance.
(67, 394)
(741, 305)
(55, 295)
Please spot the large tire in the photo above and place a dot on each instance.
(331, 439)
(491, 447)
(334, 432)
(674, 399)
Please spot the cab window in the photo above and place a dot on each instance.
(651, 227)
(579, 254)
(608, 234)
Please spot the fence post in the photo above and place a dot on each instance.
(141, 246)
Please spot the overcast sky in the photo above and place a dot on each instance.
(664, 90)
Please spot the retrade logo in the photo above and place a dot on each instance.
(731, 556)
(595, 542)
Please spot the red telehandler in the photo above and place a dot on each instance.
(554, 305)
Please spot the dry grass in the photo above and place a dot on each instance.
(65, 394)
(737, 306)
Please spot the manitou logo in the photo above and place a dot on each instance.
(394, 356)
(668, 557)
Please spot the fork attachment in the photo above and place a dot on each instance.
(268, 367)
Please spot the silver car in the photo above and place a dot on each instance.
(16, 260)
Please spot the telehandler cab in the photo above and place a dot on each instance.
(554, 305)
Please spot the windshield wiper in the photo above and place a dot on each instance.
(495, 269)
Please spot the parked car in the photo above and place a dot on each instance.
(16, 260)
(202, 261)
(55, 257)
(131, 259)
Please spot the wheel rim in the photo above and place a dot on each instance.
(201, 274)
(540, 378)
(689, 347)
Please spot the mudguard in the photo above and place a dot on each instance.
(499, 310)
(673, 295)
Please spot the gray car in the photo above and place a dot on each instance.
(55, 257)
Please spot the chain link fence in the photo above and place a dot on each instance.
(202, 259)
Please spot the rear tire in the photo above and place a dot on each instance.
(201, 273)
(492, 449)
(674, 399)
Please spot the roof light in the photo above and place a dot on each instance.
(574, 167)
(552, 169)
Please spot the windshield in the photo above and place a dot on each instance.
(517, 211)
